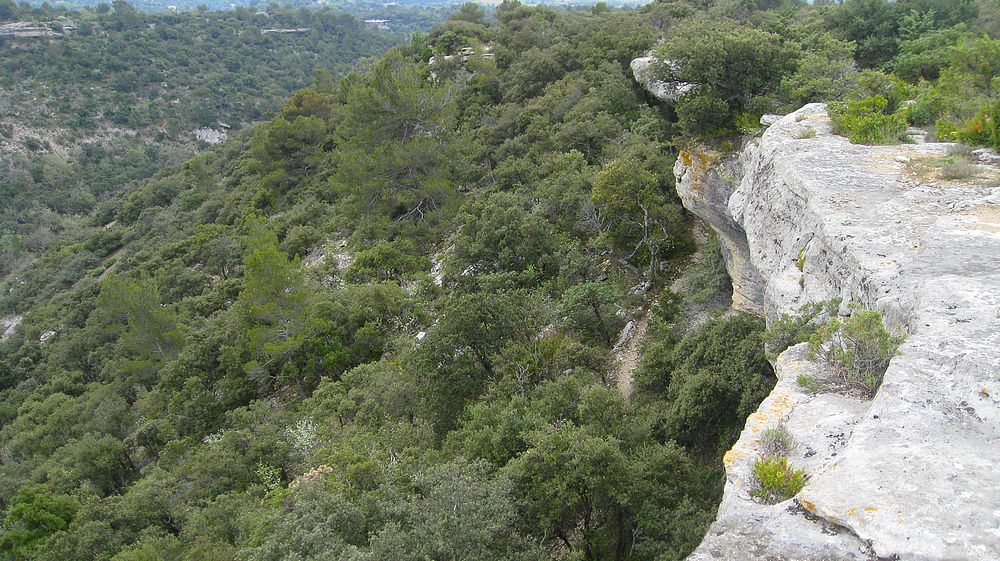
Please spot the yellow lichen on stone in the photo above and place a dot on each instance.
(731, 456)
(871, 508)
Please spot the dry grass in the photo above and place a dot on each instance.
(961, 169)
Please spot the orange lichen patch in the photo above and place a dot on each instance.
(871, 509)
(781, 403)
(731, 456)
(810, 506)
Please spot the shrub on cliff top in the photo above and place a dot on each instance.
(859, 348)
(868, 121)
(776, 481)
(790, 330)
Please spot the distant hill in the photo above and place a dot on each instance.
(92, 99)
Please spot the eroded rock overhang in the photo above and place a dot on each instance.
(914, 473)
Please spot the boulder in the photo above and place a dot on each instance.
(669, 92)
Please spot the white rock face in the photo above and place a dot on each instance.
(211, 136)
(670, 92)
(916, 474)
(8, 325)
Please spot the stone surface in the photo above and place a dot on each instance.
(210, 136)
(819, 426)
(8, 325)
(915, 475)
(705, 182)
(670, 92)
(769, 119)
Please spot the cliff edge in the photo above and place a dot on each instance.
(806, 216)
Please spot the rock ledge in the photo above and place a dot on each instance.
(915, 473)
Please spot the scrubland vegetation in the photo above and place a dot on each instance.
(381, 325)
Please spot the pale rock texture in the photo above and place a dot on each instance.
(913, 474)
(210, 136)
(8, 325)
(643, 70)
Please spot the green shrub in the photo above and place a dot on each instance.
(791, 330)
(704, 115)
(983, 129)
(858, 347)
(945, 130)
(807, 382)
(868, 121)
(749, 124)
(775, 480)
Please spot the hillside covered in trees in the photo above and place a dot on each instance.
(383, 324)
(120, 94)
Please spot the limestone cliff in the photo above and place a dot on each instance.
(914, 474)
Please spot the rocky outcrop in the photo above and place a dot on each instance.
(705, 182)
(643, 68)
(8, 325)
(912, 474)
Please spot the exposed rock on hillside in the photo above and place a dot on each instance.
(911, 474)
(643, 70)
(8, 325)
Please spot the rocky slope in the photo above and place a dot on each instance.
(913, 473)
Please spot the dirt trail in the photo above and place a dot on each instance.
(628, 355)
(628, 350)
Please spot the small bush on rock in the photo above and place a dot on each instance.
(858, 347)
(776, 442)
(776, 480)
(807, 382)
(868, 121)
(790, 330)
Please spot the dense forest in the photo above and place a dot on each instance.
(121, 95)
(383, 324)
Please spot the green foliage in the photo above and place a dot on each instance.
(588, 309)
(868, 121)
(826, 71)
(32, 517)
(152, 330)
(386, 261)
(637, 211)
(207, 396)
(808, 383)
(729, 65)
(776, 480)
(119, 99)
(983, 128)
(859, 348)
(713, 378)
(708, 278)
(790, 330)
